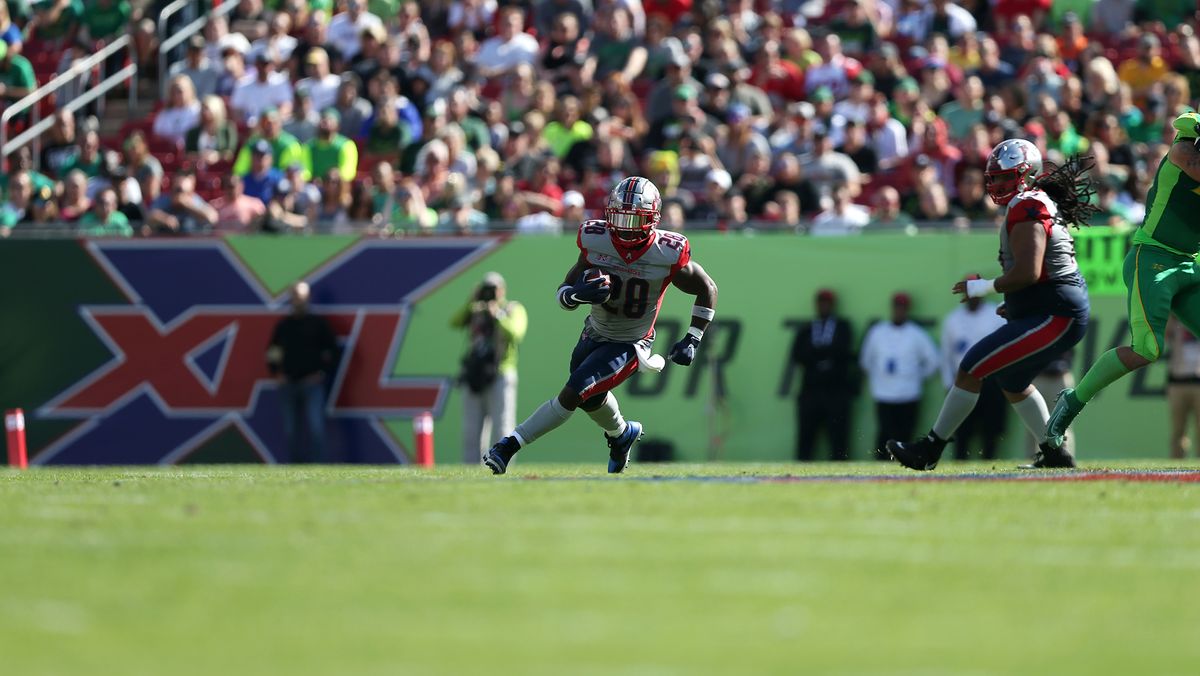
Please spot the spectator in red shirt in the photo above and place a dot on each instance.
(542, 192)
(781, 80)
(673, 10)
(1007, 11)
(936, 151)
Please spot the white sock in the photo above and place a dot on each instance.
(547, 417)
(609, 417)
(1034, 414)
(958, 405)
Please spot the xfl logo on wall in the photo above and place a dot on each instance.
(189, 351)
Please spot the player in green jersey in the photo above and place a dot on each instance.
(1160, 273)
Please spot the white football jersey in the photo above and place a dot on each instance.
(639, 279)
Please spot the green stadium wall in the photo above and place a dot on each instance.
(736, 405)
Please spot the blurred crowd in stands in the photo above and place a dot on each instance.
(454, 116)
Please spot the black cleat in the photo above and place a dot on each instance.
(921, 455)
(1051, 457)
(501, 454)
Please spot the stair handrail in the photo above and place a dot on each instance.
(39, 127)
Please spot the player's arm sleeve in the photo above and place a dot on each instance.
(685, 256)
(348, 160)
(514, 323)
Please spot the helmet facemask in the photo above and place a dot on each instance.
(632, 226)
(1012, 167)
(1004, 184)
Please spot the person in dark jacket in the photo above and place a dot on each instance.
(823, 348)
(302, 353)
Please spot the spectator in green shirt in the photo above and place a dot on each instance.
(105, 19)
(214, 139)
(103, 219)
(90, 159)
(886, 212)
(385, 204)
(17, 208)
(384, 9)
(1061, 135)
(411, 215)
(385, 135)
(458, 111)
(16, 75)
(285, 149)
(615, 47)
(22, 162)
(331, 150)
(25, 205)
(567, 129)
(56, 21)
(966, 110)
(1170, 12)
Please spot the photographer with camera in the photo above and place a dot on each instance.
(495, 326)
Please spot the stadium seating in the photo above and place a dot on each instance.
(423, 57)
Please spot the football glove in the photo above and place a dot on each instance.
(584, 293)
(684, 352)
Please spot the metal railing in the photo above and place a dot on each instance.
(39, 126)
(166, 44)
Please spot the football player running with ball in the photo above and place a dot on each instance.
(625, 265)
(1160, 274)
(1045, 299)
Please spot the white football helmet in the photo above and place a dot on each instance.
(633, 210)
(1012, 167)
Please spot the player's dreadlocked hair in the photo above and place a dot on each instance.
(1072, 188)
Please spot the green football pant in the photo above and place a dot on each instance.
(1160, 283)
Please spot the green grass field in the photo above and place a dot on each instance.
(271, 570)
